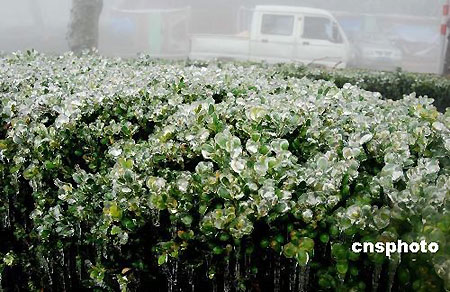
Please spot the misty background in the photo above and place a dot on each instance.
(163, 28)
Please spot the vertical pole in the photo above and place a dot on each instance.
(443, 28)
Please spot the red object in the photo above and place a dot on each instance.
(443, 29)
(446, 9)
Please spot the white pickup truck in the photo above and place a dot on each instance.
(280, 34)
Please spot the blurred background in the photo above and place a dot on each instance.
(380, 34)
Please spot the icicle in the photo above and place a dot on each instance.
(172, 276)
(174, 267)
(48, 273)
(52, 272)
(7, 219)
(207, 261)
(61, 268)
(247, 265)
(237, 266)
(268, 270)
(61, 279)
(78, 228)
(1, 288)
(307, 272)
(68, 271)
(104, 252)
(99, 252)
(191, 276)
(228, 279)
(293, 275)
(277, 275)
(61, 257)
(302, 279)
(169, 282)
(78, 263)
(214, 285)
(175, 276)
(393, 265)
(376, 277)
(155, 218)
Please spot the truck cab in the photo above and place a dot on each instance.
(281, 34)
(299, 34)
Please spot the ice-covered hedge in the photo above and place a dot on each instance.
(392, 85)
(134, 174)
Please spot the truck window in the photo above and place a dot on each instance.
(319, 28)
(277, 24)
(336, 36)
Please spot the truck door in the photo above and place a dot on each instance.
(273, 38)
(320, 42)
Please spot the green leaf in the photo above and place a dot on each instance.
(115, 230)
(306, 244)
(302, 258)
(324, 238)
(339, 251)
(290, 250)
(162, 259)
(187, 220)
(342, 267)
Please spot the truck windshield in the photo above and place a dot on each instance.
(277, 24)
(317, 28)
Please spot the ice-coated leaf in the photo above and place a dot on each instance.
(366, 138)
(322, 163)
(238, 165)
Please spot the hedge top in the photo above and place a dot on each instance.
(205, 156)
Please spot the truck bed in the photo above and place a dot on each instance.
(205, 47)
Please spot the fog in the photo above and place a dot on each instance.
(375, 34)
